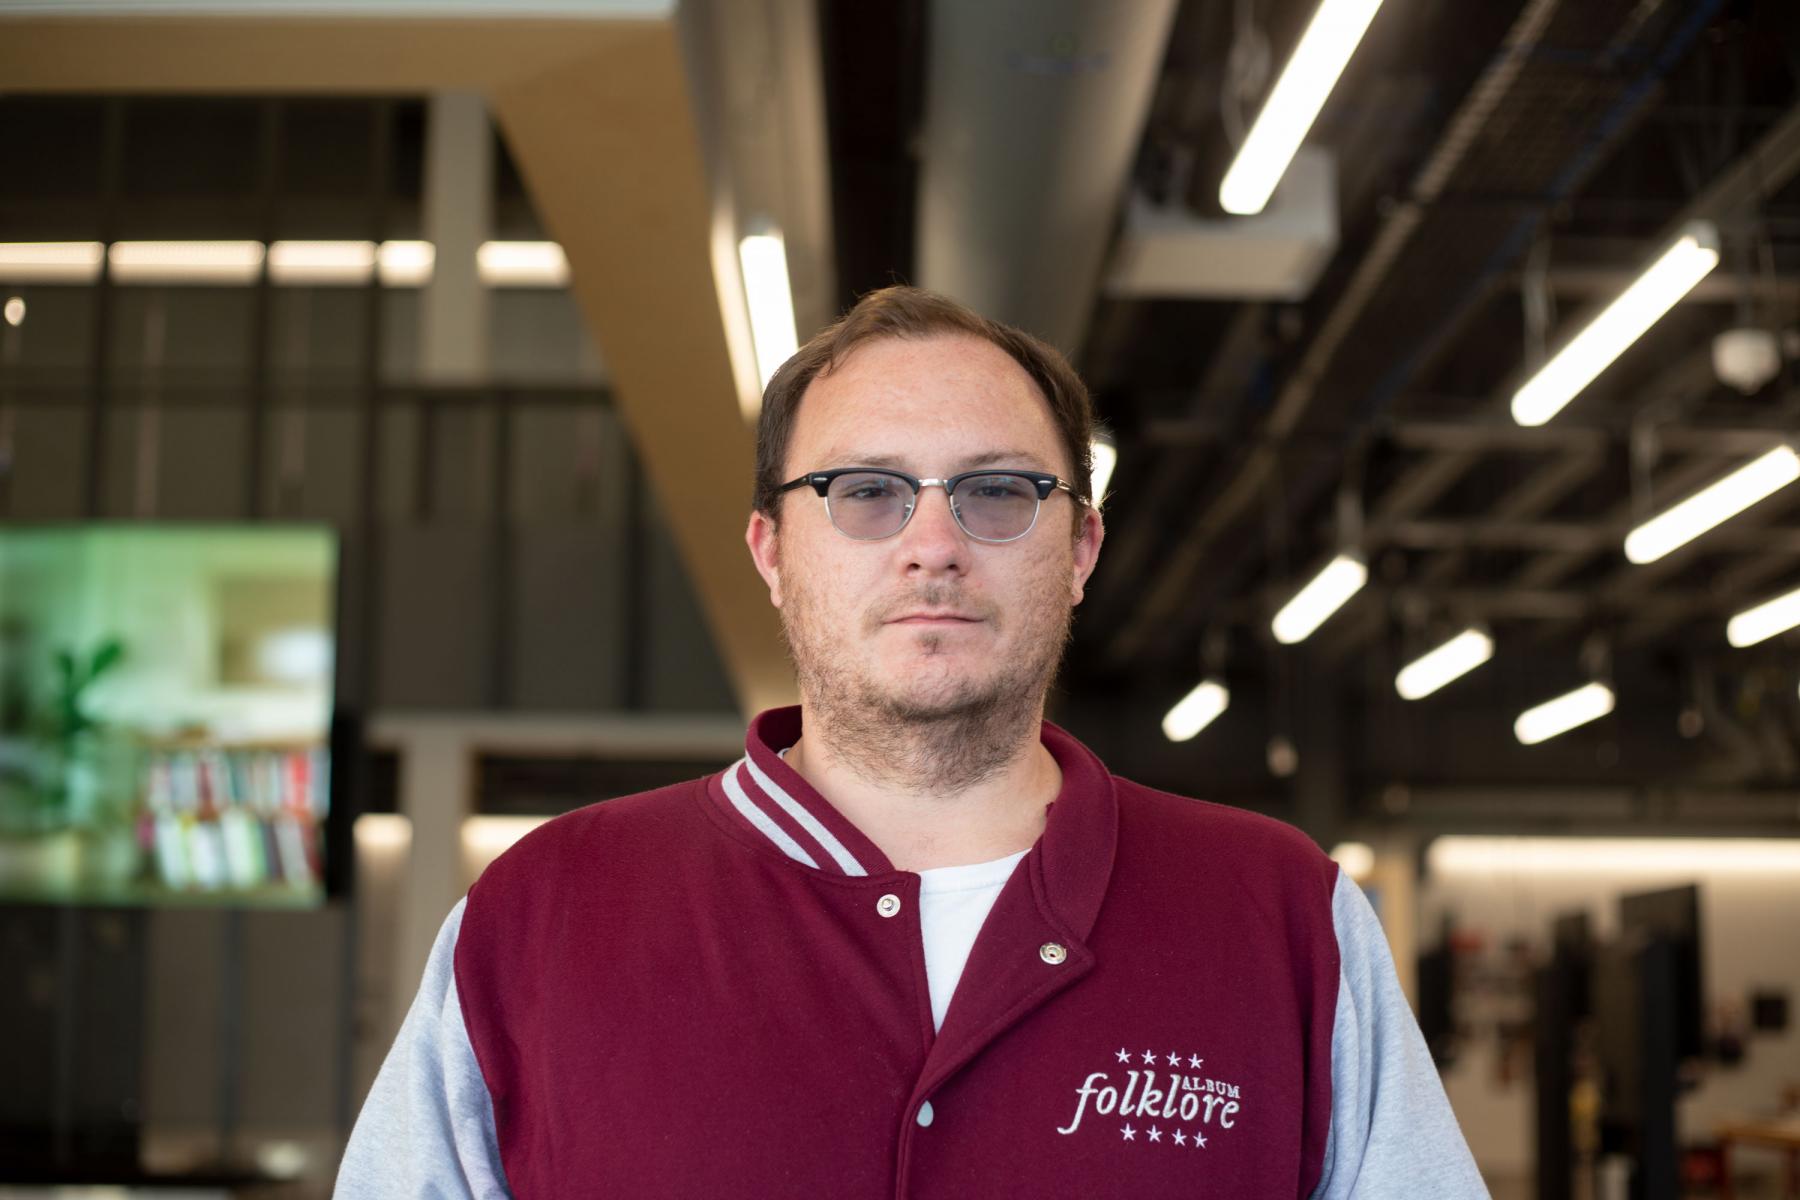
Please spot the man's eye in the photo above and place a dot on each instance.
(869, 491)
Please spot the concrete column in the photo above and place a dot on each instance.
(458, 217)
(436, 793)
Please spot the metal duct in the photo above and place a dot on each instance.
(1033, 114)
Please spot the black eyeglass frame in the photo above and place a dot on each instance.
(1043, 481)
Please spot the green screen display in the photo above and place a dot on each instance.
(165, 703)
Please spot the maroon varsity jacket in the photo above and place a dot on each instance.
(709, 990)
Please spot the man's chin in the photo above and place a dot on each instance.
(939, 696)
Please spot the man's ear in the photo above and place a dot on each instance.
(760, 535)
(1087, 551)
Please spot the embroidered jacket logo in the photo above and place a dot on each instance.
(1183, 1108)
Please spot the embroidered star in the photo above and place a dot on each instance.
(1174, 1060)
(1180, 1138)
(1149, 1057)
(1194, 1061)
(1198, 1140)
(1155, 1134)
(1130, 1133)
(1124, 1056)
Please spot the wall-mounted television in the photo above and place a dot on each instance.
(166, 714)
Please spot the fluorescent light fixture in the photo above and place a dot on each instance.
(763, 259)
(405, 264)
(1106, 457)
(1329, 41)
(1357, 859)
(1564, 713)
(1455, 658)
(1763, 622)
(51, 262)
(328, 263)
(522, 264)
(14, 311)
(1692, 257)
(383, 831)
(486, 838)
(185, 262)
(282, 1160)
(1582, 857)
(1341, 579)
(1713, 505)
(1196, 710)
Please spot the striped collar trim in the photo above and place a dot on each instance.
(769, 802)
(774, 813)
(784, 809)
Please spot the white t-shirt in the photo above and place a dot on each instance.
(953, 903)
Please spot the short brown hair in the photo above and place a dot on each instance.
(909, 312)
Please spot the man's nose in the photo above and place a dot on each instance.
(932, 540)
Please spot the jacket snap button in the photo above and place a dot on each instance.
(1052, 953)
(925, 1113)
(888, 905)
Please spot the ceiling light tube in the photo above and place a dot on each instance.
(1455, 658)
(1765, 620)
(1674, 274)
(185, 262)
(1356, 859)
(1713, 505)
(405, 263)
(1106, 457)
(316, 263)
(1584, 704)
(1196, 710)
(1341, 579)
(1330, 39)
(763, 259)
(522, 264)
(51, 262)
(1461, 854)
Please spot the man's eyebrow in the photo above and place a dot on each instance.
(1011, 458)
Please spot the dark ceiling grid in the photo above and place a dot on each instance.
(1432, 475)
(1756, 176)
(1530, 148)
(1169, 596)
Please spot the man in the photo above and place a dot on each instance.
(917, 942)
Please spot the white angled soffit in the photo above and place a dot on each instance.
(437, 9)
(1170, 251)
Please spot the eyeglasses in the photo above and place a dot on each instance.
(869, 503)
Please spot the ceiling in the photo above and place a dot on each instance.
(1502, 169)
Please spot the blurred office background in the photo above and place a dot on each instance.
(376, 386)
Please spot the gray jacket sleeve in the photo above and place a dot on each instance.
(427, 1127)
(1392, 1131)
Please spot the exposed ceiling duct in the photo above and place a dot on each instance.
(1034, 112)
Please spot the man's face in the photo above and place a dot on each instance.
(930, 622)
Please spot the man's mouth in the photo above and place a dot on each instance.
(935, 619)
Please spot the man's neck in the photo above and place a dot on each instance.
(917, 821)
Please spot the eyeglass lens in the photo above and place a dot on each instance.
(870, 505)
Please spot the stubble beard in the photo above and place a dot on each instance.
(942, 736)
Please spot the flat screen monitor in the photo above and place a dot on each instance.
(166, 714)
